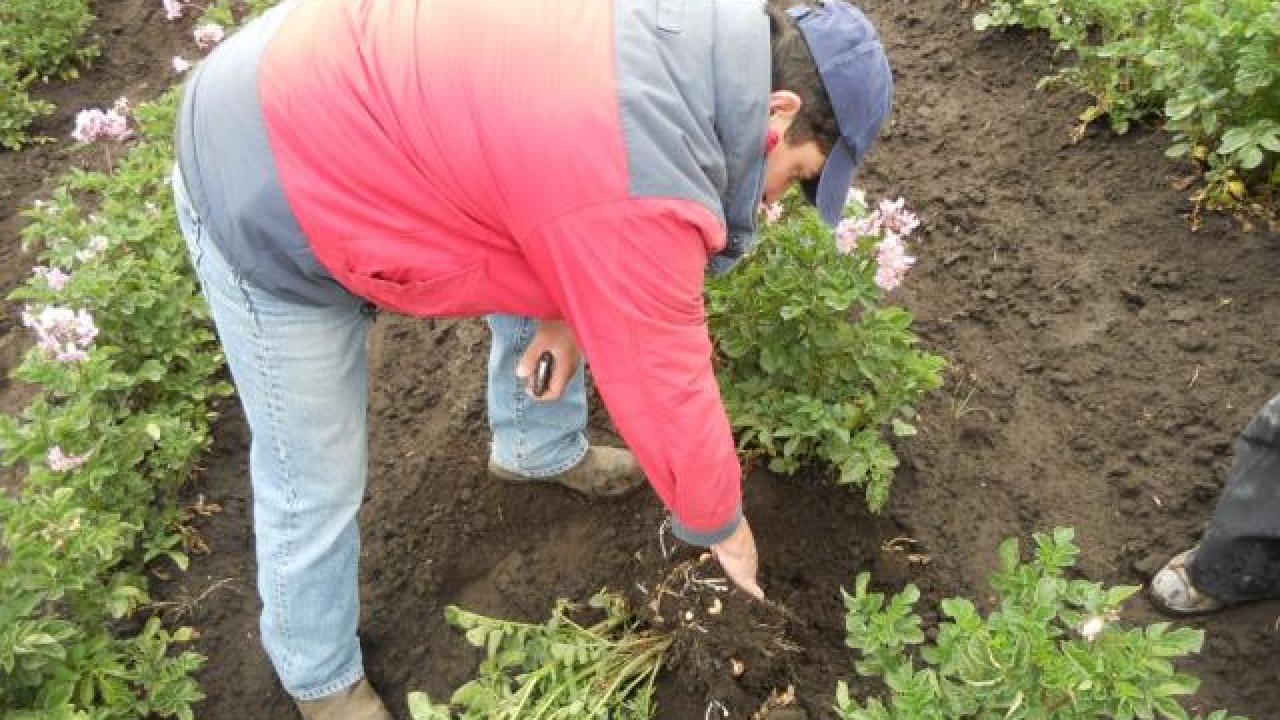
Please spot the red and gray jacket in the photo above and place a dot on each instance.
(575, 159)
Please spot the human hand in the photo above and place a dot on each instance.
(555, 337)
(737, 555)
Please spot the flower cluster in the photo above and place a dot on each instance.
(896, 218)
(892, 262)
(59, 461)
(62, 333)
(208, 35)
(54, 277)
(94, 123)
(893, 223)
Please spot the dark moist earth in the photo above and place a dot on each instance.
(1103, 357)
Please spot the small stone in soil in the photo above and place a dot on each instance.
(1190, 342)
(1128, 487)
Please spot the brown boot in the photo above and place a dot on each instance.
(603, 472)
(359, 702)
(1171, 589)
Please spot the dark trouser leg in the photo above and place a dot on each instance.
(1239, 557)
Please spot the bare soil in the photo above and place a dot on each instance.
(1103, 358)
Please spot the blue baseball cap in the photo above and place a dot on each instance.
(859, 84)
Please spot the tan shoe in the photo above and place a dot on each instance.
(1171, 589)
(603, 472)
(359, 702)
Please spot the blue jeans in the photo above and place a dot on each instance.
(301, 373)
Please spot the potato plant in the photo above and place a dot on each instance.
(559, 670)
(126, 370)
(815, 365)
(1052, 648)
(17, 108)
(39, 40)
(1212, 67)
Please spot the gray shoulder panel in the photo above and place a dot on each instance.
(693, 80)
(226, 162)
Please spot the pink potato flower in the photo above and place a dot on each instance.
(59, 461)
(208, 35)
(850, 230)
(892, 262)
(772, 212)
(93, 123)
(896, 218)
(116, 125)
(89, 125)
(172, 9)
(62, 333)
(55, 278)
(892, 222)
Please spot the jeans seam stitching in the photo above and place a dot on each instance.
(345, 681)
(279, 457)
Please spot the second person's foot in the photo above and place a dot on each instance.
(602, 472)
(1172, 591)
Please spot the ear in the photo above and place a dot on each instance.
(784, 103)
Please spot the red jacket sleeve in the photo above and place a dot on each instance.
(627, 277)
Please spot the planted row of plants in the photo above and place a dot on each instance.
(1210, 67)
(125, 368)
(1047, 648)
(39, 40)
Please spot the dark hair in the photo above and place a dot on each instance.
(794, 70)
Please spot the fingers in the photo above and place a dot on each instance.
(555, 340)
(742, 573)
(561, 374)
(533, 370)
(737, 555)
(525, 367)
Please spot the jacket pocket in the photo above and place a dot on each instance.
(670, 15)
(439, 286)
